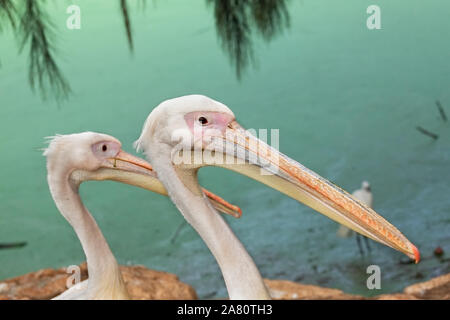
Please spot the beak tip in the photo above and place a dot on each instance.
(416, 254)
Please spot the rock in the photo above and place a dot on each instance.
(288, 290)
(394, 296)
(142, 284)
(436, 288)
(39, 285)
(145, 284)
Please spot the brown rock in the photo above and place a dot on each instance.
(395, 296)
(39, 285)
(435, 289)
(142, 284)
(288, 290)
(145, 284)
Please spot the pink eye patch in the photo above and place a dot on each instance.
(207, 119)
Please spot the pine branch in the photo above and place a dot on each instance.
(232, 26)
(44, 73)
(8, 10)
(127, 23)
(234, 22)
(270, 17)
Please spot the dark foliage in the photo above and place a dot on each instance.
(127, 22)
(235, 20)
(36, 30)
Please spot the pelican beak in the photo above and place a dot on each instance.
(256, 159)
(132, 170)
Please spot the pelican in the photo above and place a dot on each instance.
(364, 195)
(73, 159)
(184, 134)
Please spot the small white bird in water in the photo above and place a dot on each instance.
(365, 195)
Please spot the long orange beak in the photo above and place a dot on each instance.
(129, 169)
(256, 159)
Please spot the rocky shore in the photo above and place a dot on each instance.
(435, 289)
(144, 284)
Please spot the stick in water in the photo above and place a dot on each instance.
(174, 237)
(427, 133)
(12, 245)
(441, 110)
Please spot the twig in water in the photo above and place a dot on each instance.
(427, 133)
(12, 245)
(174, 237)
(441, 110)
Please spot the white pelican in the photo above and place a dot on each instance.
(73, 159)
(200, 125)
(364, 195)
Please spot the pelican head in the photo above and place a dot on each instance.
(197, 124)
(93, 156)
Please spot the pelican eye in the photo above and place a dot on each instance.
(203, 121)
(106, 149)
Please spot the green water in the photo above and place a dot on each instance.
(346, 100)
